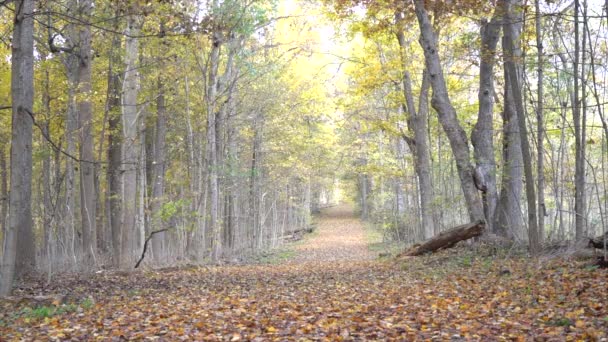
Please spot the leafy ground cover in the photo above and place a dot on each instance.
(332, 288)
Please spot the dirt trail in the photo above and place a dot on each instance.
(339, 237)
(333, 290)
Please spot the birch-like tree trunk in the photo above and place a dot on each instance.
(447, 114)
(19, 233)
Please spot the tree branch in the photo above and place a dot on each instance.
(143, 253)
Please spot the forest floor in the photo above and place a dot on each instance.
(332, 287)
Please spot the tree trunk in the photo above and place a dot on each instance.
(47, 205)
(3, 191)
(447, 239)
(540, 124)
(212, 146)
(482, 136)
(418, 120)
(130, 149)
(85, 119)
(579, 179)
(19, 234)
(230, 163)
(447, 114)
(508, 219)
(579, 129)
(254, 186)
(417, 124)
(114, 173)
(515, 85)
(158, 173)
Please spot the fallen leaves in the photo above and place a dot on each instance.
(434, 297)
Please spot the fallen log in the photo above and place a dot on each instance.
(599, 242)
(35, 301)
(447, 238)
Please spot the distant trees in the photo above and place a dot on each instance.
(180, 117)
(533, 149)
(215, 128)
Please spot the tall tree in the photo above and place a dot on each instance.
(158, 170)
(211, 100)
(447, 114)
(540, 121)
(115, 138)
(515, 84)
(579, 132)
(19, 233)
(85, 122)
(420, 143)
(130, 127)
(482, 136)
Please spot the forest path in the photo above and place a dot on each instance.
(330, 291)
(339, 236)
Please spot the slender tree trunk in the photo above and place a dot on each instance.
(417, 123)
(47, 205)
(508, 219)
(19, 233)
(482, 136)
(254, 186)
(230, 160)
(447, 114)
(583, 156)
(579, 173)
(158, 172)
(85, 110)
(130, 149)
(114, 170)
(515, 85)
(3, 191)
(211, 94)
(540, 124)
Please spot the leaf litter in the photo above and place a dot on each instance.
(332, 289)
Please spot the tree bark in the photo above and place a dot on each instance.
(540, 124)
(417, 123)
(3, 191)
(47, 206)
(579, 129)
(211, 94)
(508, 219)
(515, 85)
(85, 120)
(254, 180)
(19, 232)
(447, 114)
(114, 173)
(482, 136)
(130, 149)
(158, 172)
(447, 239)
